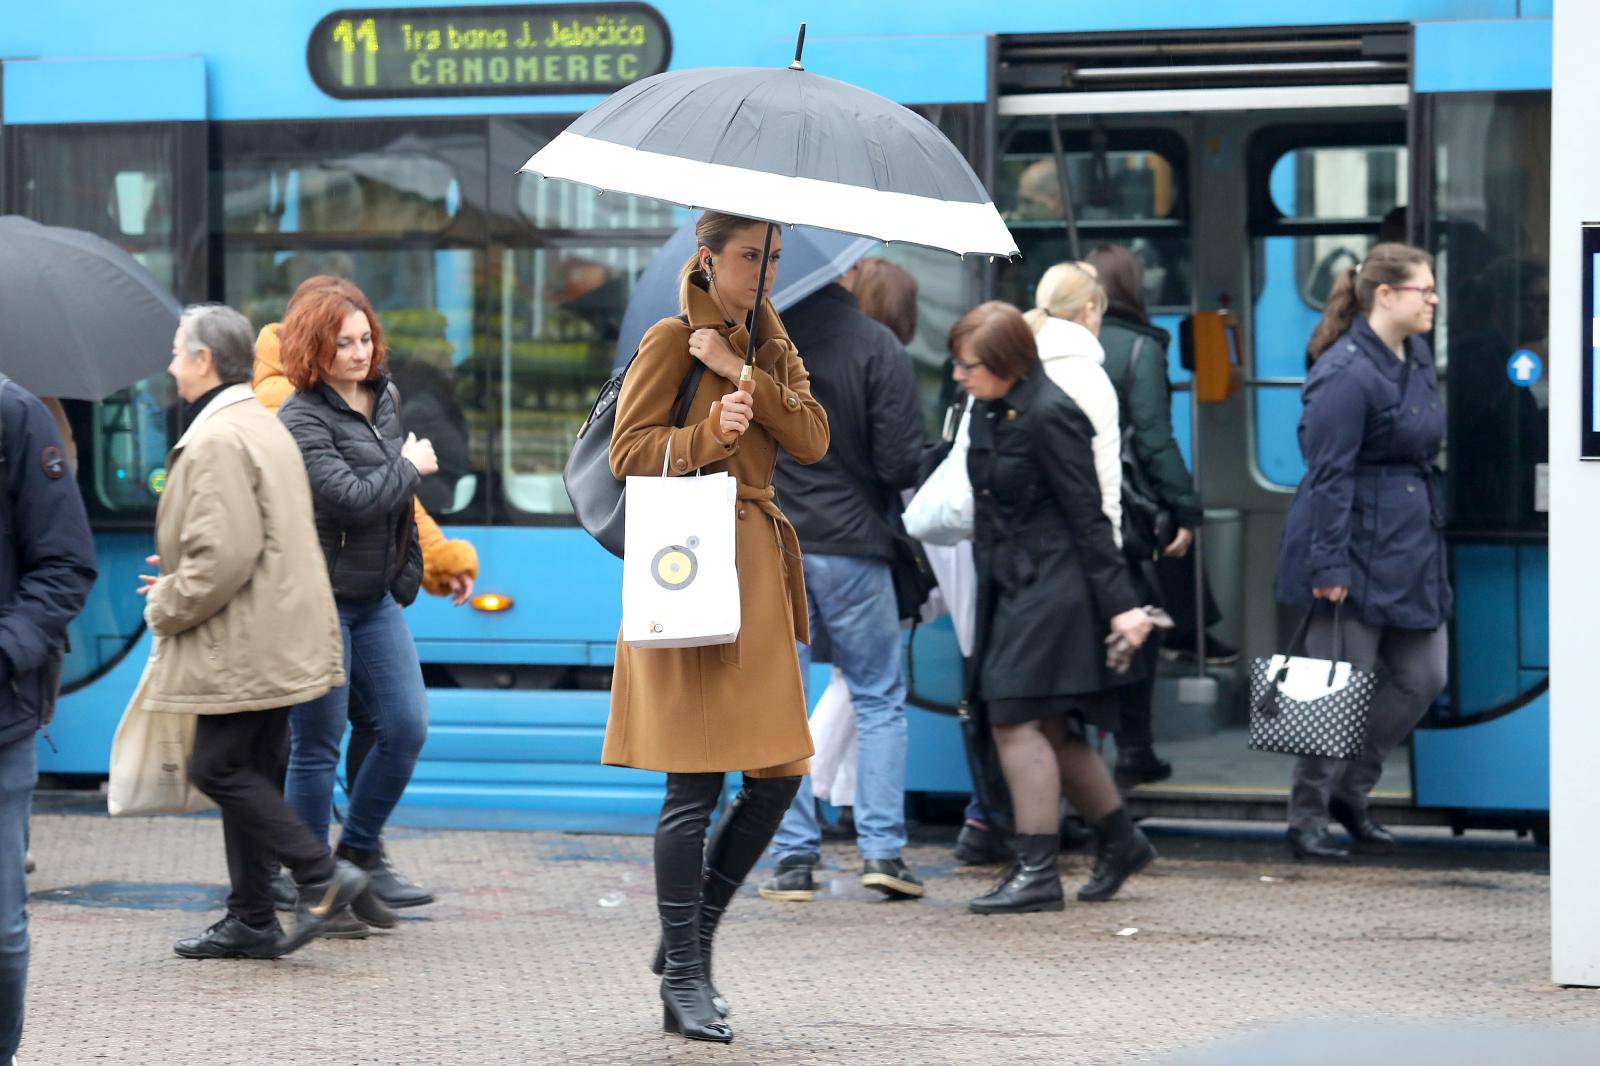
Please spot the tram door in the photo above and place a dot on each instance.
(1245, 178)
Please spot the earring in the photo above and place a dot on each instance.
(710, 276)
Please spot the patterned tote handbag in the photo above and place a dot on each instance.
(1304, 706)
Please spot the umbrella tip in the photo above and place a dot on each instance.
(799, 46)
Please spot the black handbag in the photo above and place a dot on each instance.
(596, 493)
(1302, 706)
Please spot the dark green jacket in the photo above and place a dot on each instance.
(1145, 399)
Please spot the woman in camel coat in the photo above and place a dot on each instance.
(697, 713)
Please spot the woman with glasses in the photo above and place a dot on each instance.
(1365, 531)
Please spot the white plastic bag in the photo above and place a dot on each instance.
(680, 585)
(953, 568)
(150, 761)
(942, 510)
(833, 735)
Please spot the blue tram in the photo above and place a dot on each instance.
(1246, 154)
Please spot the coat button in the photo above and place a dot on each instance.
(681, 464)
(794, 401)
(1411, 488)
(742, 512)
(1415, 409)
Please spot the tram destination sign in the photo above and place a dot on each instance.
(523, 49)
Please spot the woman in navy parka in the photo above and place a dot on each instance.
(1365, 531)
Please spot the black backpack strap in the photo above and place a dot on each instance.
(686, 391)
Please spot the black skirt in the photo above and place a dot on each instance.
(1092, 709)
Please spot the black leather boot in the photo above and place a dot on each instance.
(1124, 850)
(1315, 844)
(1032, 884)
(736, 844)
(1365, 833)
(387, 884)
(686, 809)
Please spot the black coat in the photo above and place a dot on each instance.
(863, 378)
(1368, 514)
(46, 560)
(362, 491)
(1050, 574)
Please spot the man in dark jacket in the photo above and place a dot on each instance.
(46, 571)
(842, 507)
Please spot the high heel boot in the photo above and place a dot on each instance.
(1032, 884)
(1123, 852)
(736, 845)
(679, 851)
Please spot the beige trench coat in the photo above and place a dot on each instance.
(737, 706)
(242, 613)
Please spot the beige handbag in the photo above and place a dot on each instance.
(150, 761)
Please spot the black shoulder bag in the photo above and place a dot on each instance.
(597, 495)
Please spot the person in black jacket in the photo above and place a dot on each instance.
(46, 570)
(1051, 580)
(364, 474)
(1365, 533)
(843, 508)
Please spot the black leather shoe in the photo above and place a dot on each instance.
(387, 884)
(321, 900)
(978, 845)
(1139, 766)
(232, 939)
(345, 926)
(892, 877)
(791, 884)
(283, 890)
(1032, 884)
(1317, 845)
(1124, 850)
(1364, 832)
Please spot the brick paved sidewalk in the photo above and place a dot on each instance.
(536, 953)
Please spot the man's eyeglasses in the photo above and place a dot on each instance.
(1428, 293)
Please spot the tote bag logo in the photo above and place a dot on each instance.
(675, 566)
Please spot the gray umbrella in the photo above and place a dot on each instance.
(786, 146)
(79, 317)
(811, 259)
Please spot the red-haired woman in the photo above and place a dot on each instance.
(364, 472)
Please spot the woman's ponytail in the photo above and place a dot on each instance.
(1036, 318)
(1337, 314)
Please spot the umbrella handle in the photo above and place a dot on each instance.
(755, 313)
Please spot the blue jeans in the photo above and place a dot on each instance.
(19, 771)
(380, 661)
(851, 598)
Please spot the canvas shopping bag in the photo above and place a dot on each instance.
(150, 761)
(833, 735)
(680, 585)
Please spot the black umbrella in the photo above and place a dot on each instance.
(79, 317)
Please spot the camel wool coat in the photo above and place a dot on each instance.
(738, 706)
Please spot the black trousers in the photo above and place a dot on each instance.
(1176, 579)
(239, 761)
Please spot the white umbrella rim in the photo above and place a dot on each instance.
(558, 158)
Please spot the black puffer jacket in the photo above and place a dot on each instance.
(362, 490)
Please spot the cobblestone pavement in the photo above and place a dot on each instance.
(536, 952)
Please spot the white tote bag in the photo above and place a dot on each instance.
(150, 761)
(833, 735)
(680, 585)
(942, 511)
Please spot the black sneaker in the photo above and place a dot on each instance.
(320, 901)
(232, 939)
(791, 884)
(978, 845)
(892, 877)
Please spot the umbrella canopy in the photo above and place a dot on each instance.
(79, 317)
(786, 146)
(811, 259)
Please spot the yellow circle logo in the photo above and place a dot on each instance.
(674, 567)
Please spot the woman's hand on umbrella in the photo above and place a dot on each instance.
(713, 349)
(1133, 626)
(731, 415)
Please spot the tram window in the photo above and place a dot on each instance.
(564, 205)
(1122, 186)
(382, 191)
(424, 300)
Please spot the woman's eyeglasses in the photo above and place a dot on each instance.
(964, 367)
(1428, 292)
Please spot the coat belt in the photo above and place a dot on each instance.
(788, 544)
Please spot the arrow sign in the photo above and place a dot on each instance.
(1524, 368)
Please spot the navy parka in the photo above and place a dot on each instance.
(46, 559)
(1369, 513)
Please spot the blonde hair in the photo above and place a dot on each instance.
(1064, 291)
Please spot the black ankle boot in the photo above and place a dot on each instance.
(387, 884)
(1032, 884)
(679, 856)
(1123, 852)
